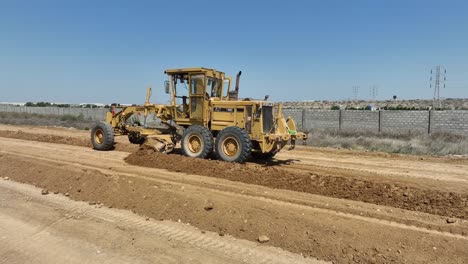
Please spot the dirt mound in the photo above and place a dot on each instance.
(381, 193)
(75, 141)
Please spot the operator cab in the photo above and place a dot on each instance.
(191, 89)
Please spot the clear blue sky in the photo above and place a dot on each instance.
(109, 51)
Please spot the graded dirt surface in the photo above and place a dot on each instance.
(334, 205)
(69, 136)
(76, 232)
(379, 192)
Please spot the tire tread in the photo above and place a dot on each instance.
(245, 144)
(206, 136)
(108, 143)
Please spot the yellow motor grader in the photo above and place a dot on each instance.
(205, 115)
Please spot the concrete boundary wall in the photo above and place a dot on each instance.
(94, 114)
(454, 121)
(405, 121)
(360, 120)
(321, 119)
(449, 121)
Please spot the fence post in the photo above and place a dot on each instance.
(340, 119)
(429, 125)
(303, 119)
(380, 121)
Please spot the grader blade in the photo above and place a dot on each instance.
(159, 145)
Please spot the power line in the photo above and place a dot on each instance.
(373, 91)
(355, 92)
(438, 78)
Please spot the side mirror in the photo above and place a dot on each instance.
(166, 86)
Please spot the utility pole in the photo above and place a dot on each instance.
(355, 92)
(438, 78)
(373, 91)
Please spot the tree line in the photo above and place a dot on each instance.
(45, 104)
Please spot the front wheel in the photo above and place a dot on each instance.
(197, 142)
(233, 145)
(102, 136)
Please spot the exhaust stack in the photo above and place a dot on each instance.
(234, 95)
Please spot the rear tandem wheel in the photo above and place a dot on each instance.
(233, 145)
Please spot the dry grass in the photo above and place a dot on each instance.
(406, 143)
(45, 120)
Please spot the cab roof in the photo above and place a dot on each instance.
(190, 70)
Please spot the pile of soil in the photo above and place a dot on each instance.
(381, 193)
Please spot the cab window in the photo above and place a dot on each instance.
(196, 84)
(214, 85)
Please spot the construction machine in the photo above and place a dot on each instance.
(205, 115)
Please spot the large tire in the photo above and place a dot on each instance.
(233, 145)
(197, 142)
(102, 136)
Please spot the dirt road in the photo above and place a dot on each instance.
(76, 232)
(371, 225)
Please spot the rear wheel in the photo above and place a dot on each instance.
(197, 142)
(102, 136)
(233, 144)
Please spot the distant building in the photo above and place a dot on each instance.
(12, 103)
(96, 104)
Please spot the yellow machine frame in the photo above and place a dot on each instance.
(268, 131)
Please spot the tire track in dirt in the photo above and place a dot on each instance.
(243, 251)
